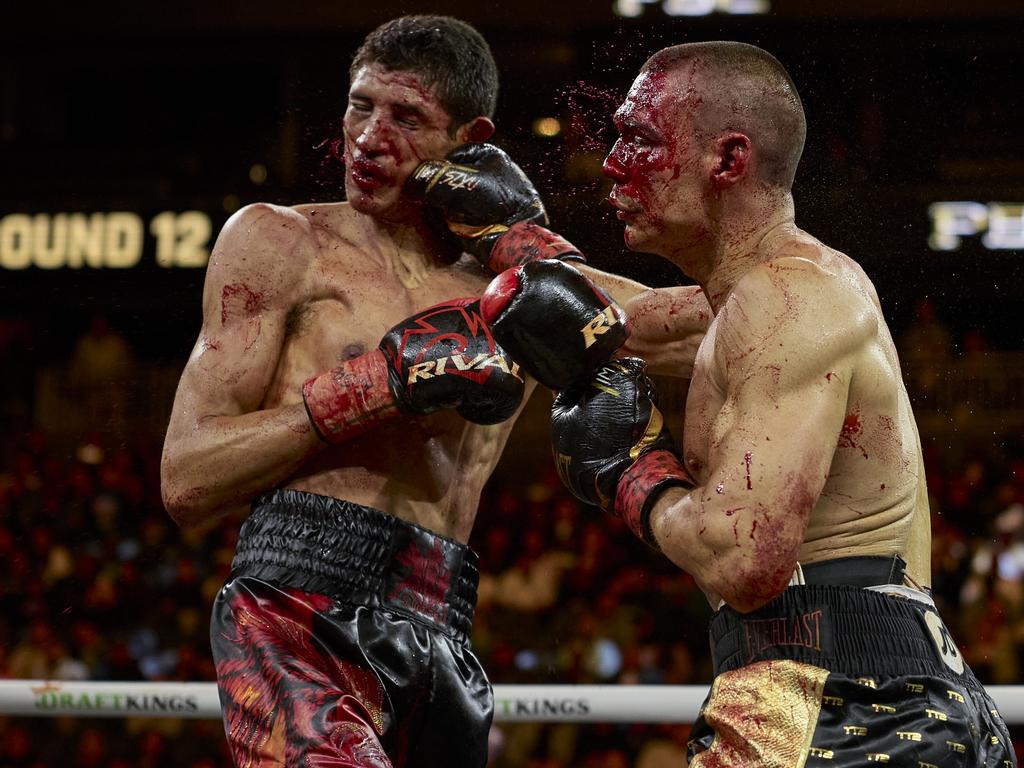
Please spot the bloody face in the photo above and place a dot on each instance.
(656, 164)
(392, 123)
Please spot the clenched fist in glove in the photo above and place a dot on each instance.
(442, 357)
(490, 205)
(554, 321)
(611, 445)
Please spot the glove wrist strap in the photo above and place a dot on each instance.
(641, 484)
(526, 241)
(350, 399)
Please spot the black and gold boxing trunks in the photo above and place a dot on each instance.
(341, 638)
(842, 676)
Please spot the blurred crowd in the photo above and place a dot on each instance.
(99, 584)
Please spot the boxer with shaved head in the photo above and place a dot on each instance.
(796, 497)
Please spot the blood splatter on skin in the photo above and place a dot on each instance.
(770, 567)
(747, 458)
(237, 300)
(851, 428)
(239, 303)
(758, 336)
(851, 432)
(776, 548)
(736, 523)
(680, 307)
(185, 497)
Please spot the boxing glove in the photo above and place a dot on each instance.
(443, 357)
(553, 321)
(486, 201)
(611, 446)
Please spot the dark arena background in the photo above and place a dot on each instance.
(129, 132)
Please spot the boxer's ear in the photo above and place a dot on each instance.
(732, 159)
(476, 131)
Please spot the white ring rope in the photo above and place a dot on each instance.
(512, 703)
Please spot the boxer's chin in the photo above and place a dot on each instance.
(644, 235)
(633, 237)
(379, 202)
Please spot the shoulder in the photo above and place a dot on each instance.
(336, 217)
(260, 220)
(790, 291)
(261, 232)
(795, 304)
(263, 250)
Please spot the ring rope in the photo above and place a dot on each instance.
(512, 703)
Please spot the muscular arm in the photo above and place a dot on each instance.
(783, 360)
(222, 447)
(666, 324)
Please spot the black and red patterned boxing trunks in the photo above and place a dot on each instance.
(833, 676)
(342, 639)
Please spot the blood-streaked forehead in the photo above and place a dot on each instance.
(660, 99)
(399, 88)
(647, 99)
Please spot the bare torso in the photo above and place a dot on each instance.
(428, 470)
(874, 500)
(292, 292)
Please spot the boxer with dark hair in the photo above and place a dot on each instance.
(797, 499)
(345, 390)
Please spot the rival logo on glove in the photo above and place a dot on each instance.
(599, 324)
(439, 367)
(447, 175)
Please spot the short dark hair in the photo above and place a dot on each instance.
(449, 55)
(748, 89)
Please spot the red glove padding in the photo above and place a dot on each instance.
(554, 321)
(488, 203)
(442, 357)
(611, 445)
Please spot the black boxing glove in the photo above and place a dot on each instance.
(553, 321)
(611, 446)
(490, 205)
(442, 357)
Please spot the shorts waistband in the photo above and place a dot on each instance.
(862, 571)
(359, 555)
(843, 629)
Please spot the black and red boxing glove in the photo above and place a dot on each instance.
(490, 205)
(553, 321)
(611, 446)
(442, 357)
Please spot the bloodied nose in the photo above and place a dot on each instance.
(613, 167)
(374, 135)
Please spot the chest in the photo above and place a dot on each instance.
(348, 307)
